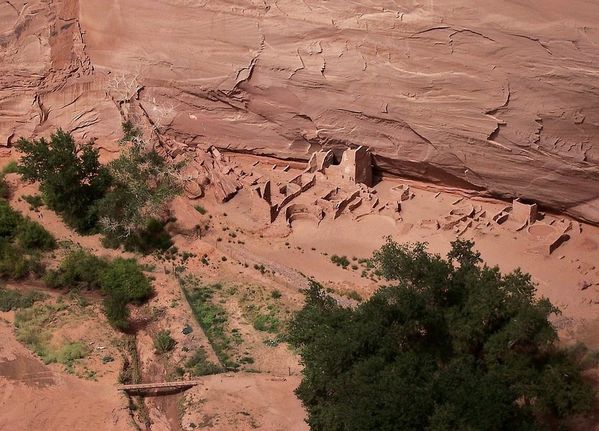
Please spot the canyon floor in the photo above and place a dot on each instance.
(257, 270)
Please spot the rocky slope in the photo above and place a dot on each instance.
(494, 96)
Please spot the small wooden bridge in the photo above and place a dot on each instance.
(141, 387)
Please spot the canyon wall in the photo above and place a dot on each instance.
(499, 97)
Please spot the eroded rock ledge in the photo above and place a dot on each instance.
(500, 98)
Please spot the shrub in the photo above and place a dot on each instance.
(9, 220)
(4, 189)
(116, 311)
(200, 209)
(10, 168)
(276, 294)
(21, 241)
(341, 261)
(79, 269)
(121, 281)
(124, 277)
(163, 342)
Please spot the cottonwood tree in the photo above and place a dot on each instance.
(142, 184)
(71, 176)
(450, 344)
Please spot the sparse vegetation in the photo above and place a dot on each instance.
(199, 365)
(15, 300)
(452, 345)
(200, 209)
(267, 323)
(34, 201)
(31, 329)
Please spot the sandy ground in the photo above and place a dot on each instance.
(253, 258)
(34, 396)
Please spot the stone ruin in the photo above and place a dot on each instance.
(354, 169)
(209, 169)
(355, 165)
(351, 180)
(520, 216)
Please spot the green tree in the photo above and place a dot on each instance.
(143, 183)
(450, 345)
(70, 175)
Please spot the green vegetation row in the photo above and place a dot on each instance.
(449, 344)
(211, 317)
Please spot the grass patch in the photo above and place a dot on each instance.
(31, 328)
(267, 323)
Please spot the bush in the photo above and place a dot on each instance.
(341, 261)
(153, 237)
(124, 277)
(163, 342)
(9, 220)
(21, 241)
(200, 209)
(79, 269)
(450, 345)
(15, 264)
(4, 189)
(266, 323)
(10, 168)
(116, 311)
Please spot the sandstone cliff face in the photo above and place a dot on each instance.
(495, 96)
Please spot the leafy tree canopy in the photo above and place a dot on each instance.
(450, 344)
(143, 182)
(70, 175)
